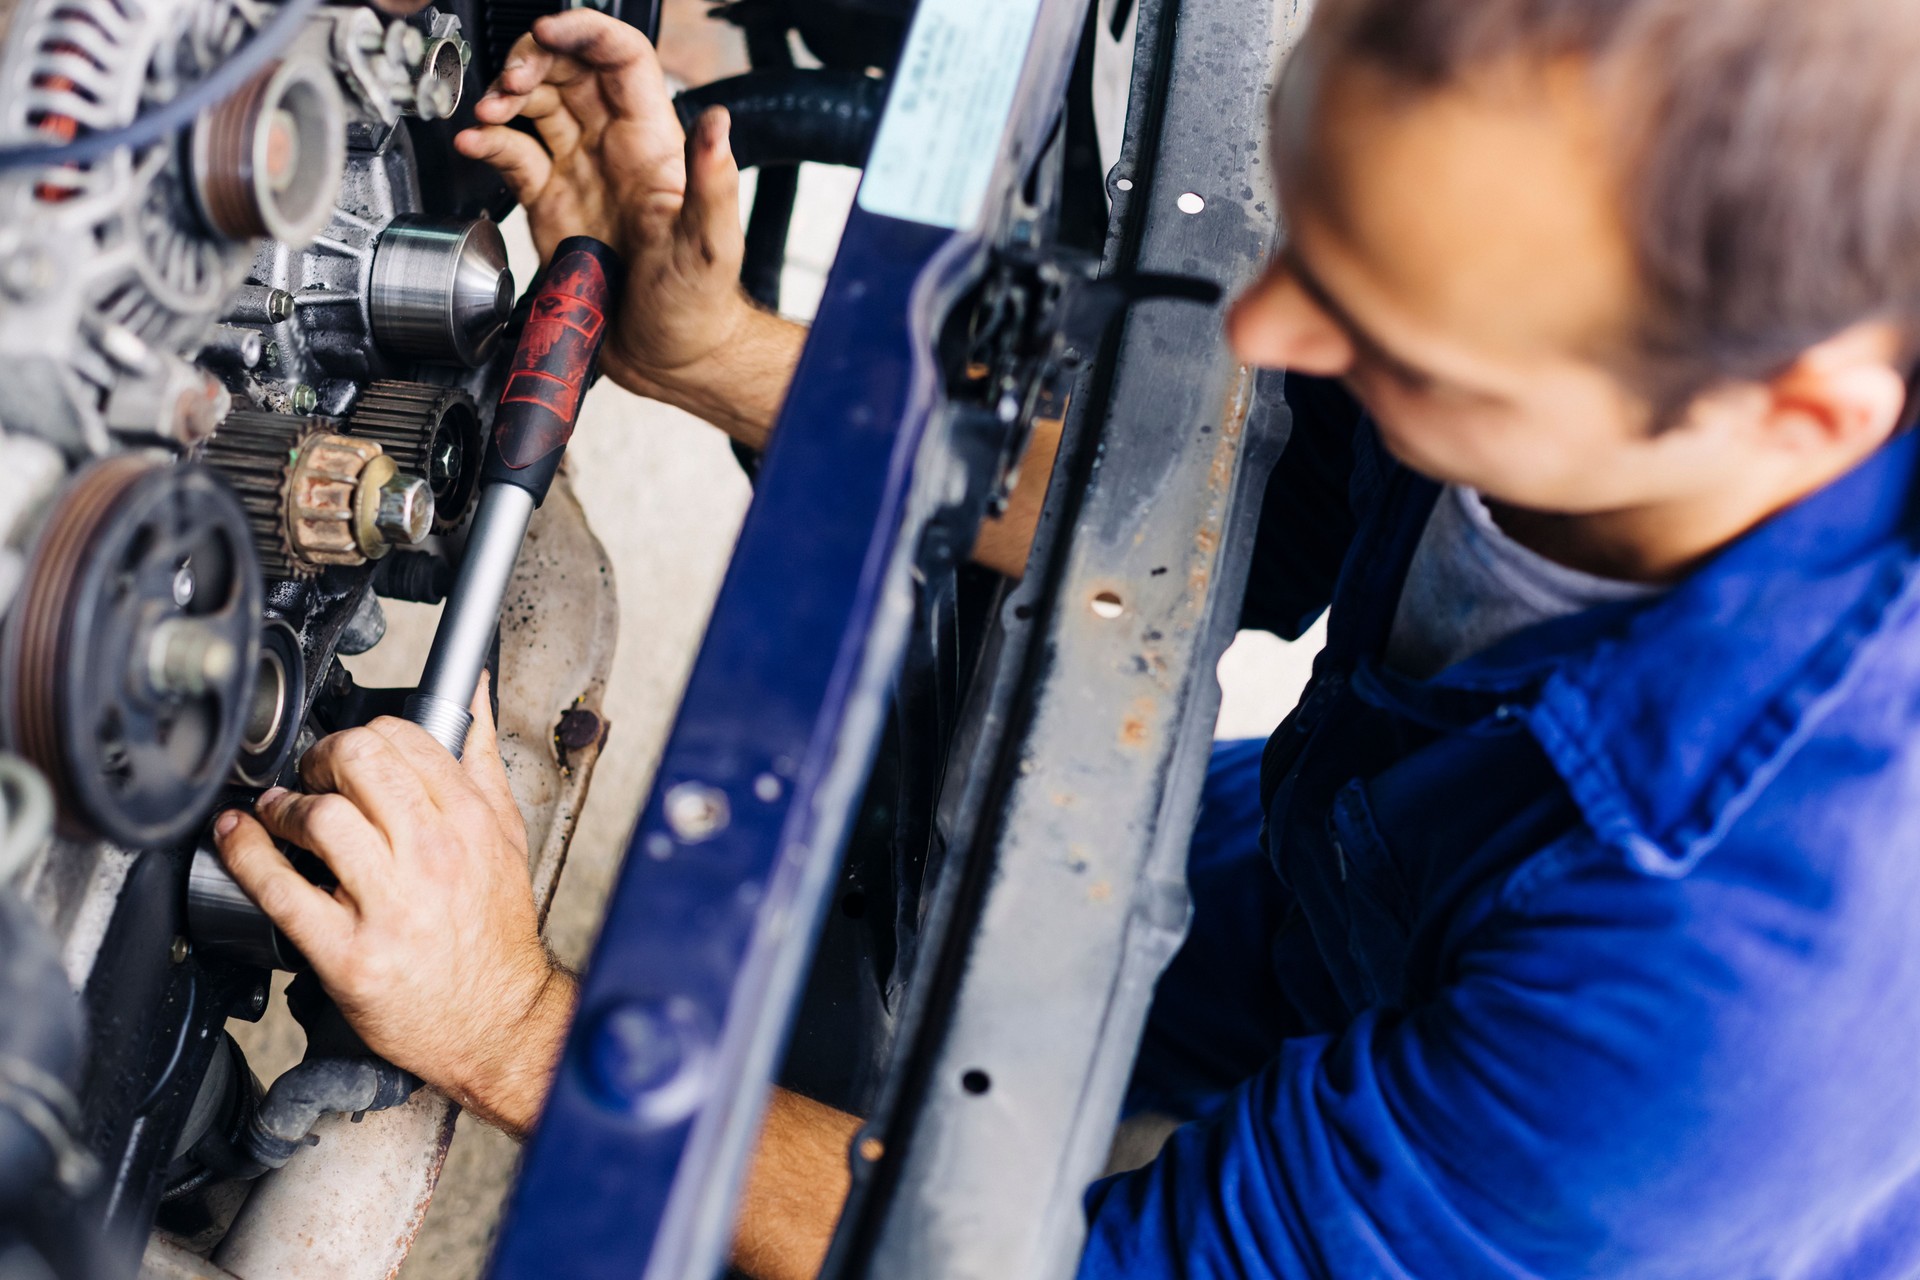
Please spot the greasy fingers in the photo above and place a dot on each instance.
(521, 161)
(333, 830)
(384, 783)
(312, 920)
(710, 214)
(631, 79)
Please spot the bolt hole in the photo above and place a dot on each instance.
(1123, 184)
(871, 1149)
(975, 1082)
(1023, 611)
(1190, 203)
(1107, 605)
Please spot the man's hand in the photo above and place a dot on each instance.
(430, 945)
(611, 161)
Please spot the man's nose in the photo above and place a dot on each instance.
(1276, 324)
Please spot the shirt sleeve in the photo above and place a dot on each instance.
(1307, 519)
(1622, 1077)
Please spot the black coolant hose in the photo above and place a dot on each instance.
(42, 1037)
(790, 115)
(315, 1088)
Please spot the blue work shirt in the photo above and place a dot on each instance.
(1594, 955)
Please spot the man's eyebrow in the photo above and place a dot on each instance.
(1375, 351)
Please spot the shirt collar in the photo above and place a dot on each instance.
(1668, 718)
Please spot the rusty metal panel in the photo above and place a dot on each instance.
(1072, 792)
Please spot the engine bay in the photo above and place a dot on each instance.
(250, 330)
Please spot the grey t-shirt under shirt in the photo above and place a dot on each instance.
(1471, 586)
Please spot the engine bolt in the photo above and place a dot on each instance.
(188, 657)
(180, 950)
(405, 514)
(696, 811)
(303, 399)
(183, 584)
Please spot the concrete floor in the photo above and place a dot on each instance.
(666, 497)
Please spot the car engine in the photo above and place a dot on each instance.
(250, 305)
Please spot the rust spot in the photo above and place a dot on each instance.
(1099, 891)
(1137, 729)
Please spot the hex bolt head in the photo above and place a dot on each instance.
(696, 811)
(303, 399)
(180, 950)
(405, 515)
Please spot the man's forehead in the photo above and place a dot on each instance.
(1489, 212)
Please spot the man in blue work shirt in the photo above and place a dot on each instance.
(1591, 949)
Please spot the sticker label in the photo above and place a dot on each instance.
(940, 137)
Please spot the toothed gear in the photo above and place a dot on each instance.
(253, 452)
(429, 431)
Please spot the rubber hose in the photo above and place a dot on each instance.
(42, 1037)
(793, 115)
(318, 1087)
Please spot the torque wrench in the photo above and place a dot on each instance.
(539, 406)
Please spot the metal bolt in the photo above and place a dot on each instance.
(697, 811)
(187, 657)
(180, 950)
(258, 1000)
(444, 463)
(183, 584)
(766, 788)
(578, 728)
(405, 514)
(303, 398)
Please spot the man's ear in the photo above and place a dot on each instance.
(1847, 393)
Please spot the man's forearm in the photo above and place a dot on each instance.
(510, 1089)
(740, 387)
(795, 1189)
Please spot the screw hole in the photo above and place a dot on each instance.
(975, 1082)
(871, 1149)
(1190, 203)
(1107, 605)
(1023, 611)
(1123, 184)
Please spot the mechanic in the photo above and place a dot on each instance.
(1591, 949)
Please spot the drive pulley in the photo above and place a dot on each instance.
(129, 658)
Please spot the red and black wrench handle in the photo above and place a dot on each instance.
(552, 365)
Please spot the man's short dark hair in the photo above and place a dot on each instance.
(1771, 151)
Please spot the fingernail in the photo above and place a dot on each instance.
(269, 797)
(225, 823)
